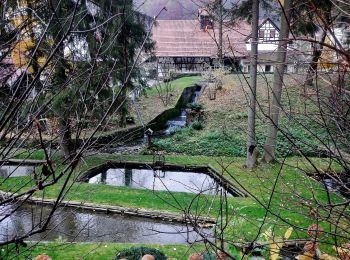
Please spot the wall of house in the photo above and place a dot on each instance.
(266, 67)
(268, 37)
(181, 65)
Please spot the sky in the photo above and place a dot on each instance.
(180, 9)
(176, 9)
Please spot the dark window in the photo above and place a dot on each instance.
(206, 22)
(267, 68)
(272, 34)
(261, 33)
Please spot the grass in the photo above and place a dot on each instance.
(177, 84)
(292, 186)
(92, 251)
(151, 105)
(225, 123)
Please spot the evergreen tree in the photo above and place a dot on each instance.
(113, 32)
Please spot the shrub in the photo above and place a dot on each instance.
(195, 106)
(136, 253)
(239, 115)
(130, 119)
(196, 125)
(209, 256)
(173, 129)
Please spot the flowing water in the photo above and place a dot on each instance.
(87, 226)
(341, 186)
(181, 120)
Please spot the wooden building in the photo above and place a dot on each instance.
(191, 46)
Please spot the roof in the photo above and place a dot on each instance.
(184, 38)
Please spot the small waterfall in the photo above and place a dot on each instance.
(180, 121)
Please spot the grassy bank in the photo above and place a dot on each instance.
(92, 251)
(288, 184)
(225, 121)
(151, 104)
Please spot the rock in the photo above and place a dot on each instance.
(196, 256)
(148, 257)
(42, 257)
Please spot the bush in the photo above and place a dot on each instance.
(195, 106)
(209, 256)
(196, 125)
(136, 253)
(130, 119)
(173, 129)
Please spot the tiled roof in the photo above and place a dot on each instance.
(184, 38)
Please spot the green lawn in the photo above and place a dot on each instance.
(244, 214)
(92, 251)
(177, 84)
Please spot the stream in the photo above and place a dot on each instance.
(181, 120)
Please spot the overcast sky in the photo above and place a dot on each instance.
(179, 9)
(176, 9)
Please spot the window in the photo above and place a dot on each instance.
(206, 22)
(272, 33)
(267, 68)
(261, 33)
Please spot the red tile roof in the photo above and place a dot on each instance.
(184, 38)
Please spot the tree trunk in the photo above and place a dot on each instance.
(67, 146)
(252, 151)
(317, 52)
(318, 48)
(220, 18)
(123, 109)
(59, 79)
(271, 140)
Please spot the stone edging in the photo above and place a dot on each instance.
(22, 162)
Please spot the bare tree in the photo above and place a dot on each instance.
(252, 151)
(270, 144)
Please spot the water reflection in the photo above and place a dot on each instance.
(86, 226)
(341, 186)
(158, 180)
(15, 171)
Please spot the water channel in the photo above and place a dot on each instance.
(341, 186)
(15, 170)
(86, 226)
(181, 120)
(175, 181)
